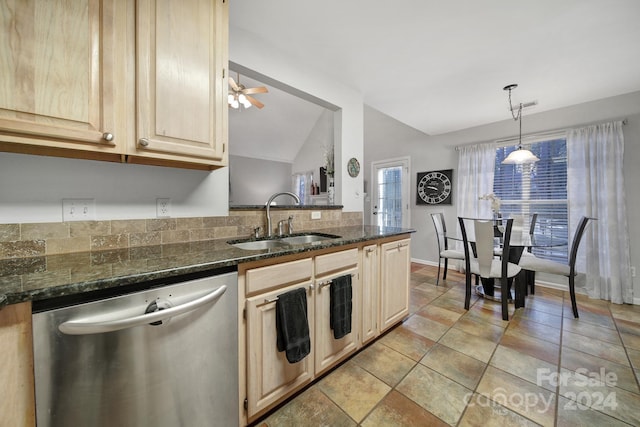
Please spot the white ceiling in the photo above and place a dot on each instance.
(440, 66)
(275, 132)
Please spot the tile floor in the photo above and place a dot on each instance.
(447, 366)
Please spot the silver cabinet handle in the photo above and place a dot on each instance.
(143, 142)
(271, 300)
(107, 136)
(323, 284)
(79, 327)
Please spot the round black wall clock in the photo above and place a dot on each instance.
(434, 188)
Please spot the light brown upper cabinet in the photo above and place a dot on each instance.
(181, 90)
(122, 80)
(62, 69)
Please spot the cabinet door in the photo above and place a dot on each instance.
(270, 376)
(394, 282)
(181, 90)
(329, 350)
(62, 71)
(16, 366)
(369, 311)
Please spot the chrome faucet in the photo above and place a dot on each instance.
(281, 227)
(287, 193)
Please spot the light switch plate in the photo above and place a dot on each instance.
(78, 210)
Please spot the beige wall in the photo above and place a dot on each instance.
(388, 138)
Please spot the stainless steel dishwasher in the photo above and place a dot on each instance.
(165, 356)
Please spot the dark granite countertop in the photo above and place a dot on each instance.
(287, 207)
(45, 277)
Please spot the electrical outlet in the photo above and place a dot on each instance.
(163, 208)
(78, 210)
(633, 271)
(316, 214)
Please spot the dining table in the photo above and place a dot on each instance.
(520, 241)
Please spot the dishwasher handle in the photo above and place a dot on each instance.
(85, 328)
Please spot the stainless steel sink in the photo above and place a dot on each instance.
(307, 238)
(281, 242)
(255, 245)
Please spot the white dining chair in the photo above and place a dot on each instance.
(444, 253)
(481, 260)
(535, 264)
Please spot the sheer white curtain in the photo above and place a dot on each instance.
(476, 166)
(596, 189)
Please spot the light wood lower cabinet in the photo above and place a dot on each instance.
(370, 272)
(380, 299)
(328, 350)
(269, 375)
(395, 266)
(17, 404)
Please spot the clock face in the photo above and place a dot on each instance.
(434, 188)
(353, 167)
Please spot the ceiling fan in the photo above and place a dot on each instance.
(239, 94)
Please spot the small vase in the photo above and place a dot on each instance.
(330, 190)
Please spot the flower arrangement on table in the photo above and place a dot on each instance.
(495, 201)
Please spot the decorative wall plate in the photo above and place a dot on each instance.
(353, 167)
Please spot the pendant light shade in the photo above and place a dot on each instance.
(520, 156)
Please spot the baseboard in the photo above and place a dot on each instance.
(452, 265)
(424, 262)
(552, 285)
(544, 284)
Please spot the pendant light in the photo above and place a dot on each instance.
(519, 156)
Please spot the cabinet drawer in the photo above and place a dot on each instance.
(278, 275)
(336, 261)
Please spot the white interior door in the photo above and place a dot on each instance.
(390, 193)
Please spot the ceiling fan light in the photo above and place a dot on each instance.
(520, 156)
(246, 103)
(235, 103)
(230, 98)
(242, 98)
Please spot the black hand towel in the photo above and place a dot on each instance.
(340, 306)
(292, 325)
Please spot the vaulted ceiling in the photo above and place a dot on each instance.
(439, 66)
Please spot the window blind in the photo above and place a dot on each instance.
(541, 189)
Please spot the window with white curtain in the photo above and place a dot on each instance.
(541, 189)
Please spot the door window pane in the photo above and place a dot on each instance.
(390, 197)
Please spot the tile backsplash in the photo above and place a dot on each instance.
(37, 239)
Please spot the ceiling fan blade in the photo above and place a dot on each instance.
(255, 102)
(233, 84)
(251, 90)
